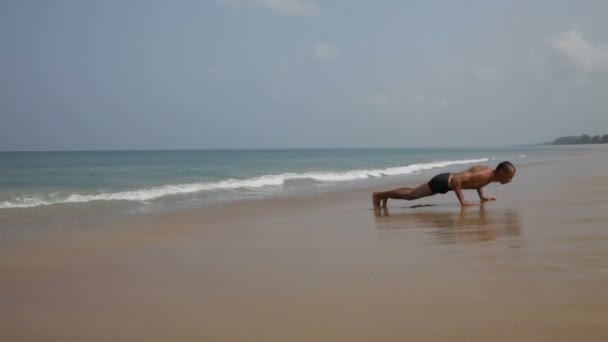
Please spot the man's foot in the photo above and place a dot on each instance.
(376, 200)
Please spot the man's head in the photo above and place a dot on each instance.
(504, 172)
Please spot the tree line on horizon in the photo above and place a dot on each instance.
(583, 139)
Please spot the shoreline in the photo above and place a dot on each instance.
(529, 266)
(63, 216)
(71, 206)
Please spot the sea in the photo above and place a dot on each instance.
(58, 189)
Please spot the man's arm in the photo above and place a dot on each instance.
(458, 190)
(482, 197)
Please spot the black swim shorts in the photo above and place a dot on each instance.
(440, 183)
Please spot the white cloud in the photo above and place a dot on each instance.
(486, 73)
(427, 101)
(213, 70)
(443, 103)
(582, 80)
(284, 66)
(417, 98)
(585, 55)
(221, 72)
(326, 53)
(380, 100)
(280, 7)
(274, 94)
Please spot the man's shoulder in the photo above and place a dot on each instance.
(480, 168)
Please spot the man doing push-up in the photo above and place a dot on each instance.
(475, 177)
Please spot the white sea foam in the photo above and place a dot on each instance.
(276, 180)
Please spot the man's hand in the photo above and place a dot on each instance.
(483, 198)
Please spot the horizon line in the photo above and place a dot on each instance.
(270, 148)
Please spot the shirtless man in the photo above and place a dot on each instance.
(475, 177)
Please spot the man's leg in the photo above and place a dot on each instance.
(401, 192)
(409, 194)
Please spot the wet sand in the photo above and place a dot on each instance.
(532, 266)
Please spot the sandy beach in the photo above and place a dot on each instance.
(531, 266)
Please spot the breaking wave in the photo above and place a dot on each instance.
(274, 180)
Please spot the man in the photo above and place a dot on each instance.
(474, 178)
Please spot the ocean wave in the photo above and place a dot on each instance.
(146, 194)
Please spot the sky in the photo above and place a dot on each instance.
(150, 74)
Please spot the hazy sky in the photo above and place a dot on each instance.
(120, 74)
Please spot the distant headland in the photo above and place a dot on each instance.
(583, 139)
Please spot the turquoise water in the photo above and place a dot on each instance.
(62, 187)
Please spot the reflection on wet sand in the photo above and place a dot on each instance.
(467, 224)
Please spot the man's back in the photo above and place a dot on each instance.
(475, 177)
